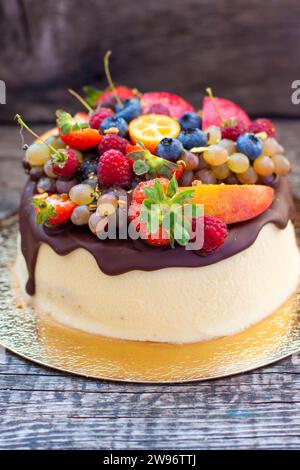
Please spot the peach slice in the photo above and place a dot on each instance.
(233, 203)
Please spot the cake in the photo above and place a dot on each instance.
(134, 156)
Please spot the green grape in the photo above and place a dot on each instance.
(228, 145)
(186, 178)
(37, 154)
(56, 142)
(205, 176)
(80, 215)
(83, 194)
(221, 172)
(282, 166)
(190, 159)
(215, 155)
(48, 169)
(214, 135)
(107, 204)
(238, 163)
(271, 147)
(248, 177)
(264, 166)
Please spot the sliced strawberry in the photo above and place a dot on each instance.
(219, 111)
(176, 105)
(108, 98)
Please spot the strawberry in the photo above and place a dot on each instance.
(132, 148)
(263, 125)
(218, 111)
(65, 163)
(52, 210)
(145, 164)
(76, 133)
(155, 212)
(114, 169)
(175, 105)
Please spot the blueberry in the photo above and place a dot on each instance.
(130, 110)
(192, 138)
(250, 145)
(115, 121)
(88, 168)
(190, 121)
(169, 148)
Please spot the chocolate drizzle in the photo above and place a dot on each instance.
(120, 256)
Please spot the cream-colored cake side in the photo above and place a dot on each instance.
(178, 305)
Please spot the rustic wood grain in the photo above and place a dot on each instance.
(246, 50)
(42, 408)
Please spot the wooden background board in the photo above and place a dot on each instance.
(247, 50)
(45, 409)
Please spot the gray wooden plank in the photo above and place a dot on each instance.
(160, 45)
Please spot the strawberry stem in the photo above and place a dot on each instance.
(80, 99)
(109, 79)
(23, 124)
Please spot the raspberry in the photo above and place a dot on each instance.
(233, 132)
(98, 116)
(65, 163)
(215, 234)
(114, 169)
(263, 125)
(113, 142)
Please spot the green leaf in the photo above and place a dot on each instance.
(140, 167)
(183, 196)
(159, 190)
(92, 94)
(150, 194)
(137, 155)
(172, 186)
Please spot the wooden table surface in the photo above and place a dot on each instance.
(45, 409)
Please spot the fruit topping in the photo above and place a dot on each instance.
(233, 203)
(169, 148)
(75, 133)
(113, 142)
(192, 138)
(176, 105)
(214, 233)
(250, 145)
(219, 111)
(150, 129)
(114, 169)
(65, 163)
(190, 120)
(263, 125)
(52, 210)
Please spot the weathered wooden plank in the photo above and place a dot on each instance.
(242, 52)
(177, 432)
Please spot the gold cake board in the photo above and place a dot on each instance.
(42, 340)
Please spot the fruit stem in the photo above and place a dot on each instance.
(23, 124)
(109, 79)
(210, 94)
(80, 99)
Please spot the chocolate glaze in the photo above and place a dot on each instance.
(120, 256)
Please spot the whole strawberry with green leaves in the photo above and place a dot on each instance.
(157, 212)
